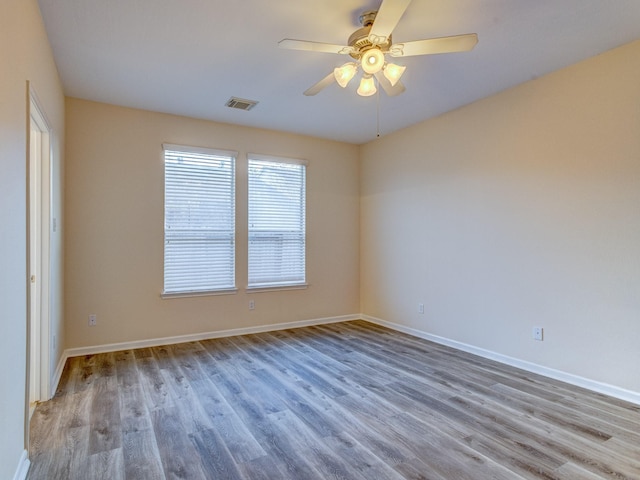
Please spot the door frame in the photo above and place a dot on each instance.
(38, 248)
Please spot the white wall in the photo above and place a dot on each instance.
(25, 56)
(114, 221)
(520, 210)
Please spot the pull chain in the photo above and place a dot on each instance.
(378, 112)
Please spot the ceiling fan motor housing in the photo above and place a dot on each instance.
(359, 39)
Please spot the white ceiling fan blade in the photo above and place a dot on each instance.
(293, 44)
(431, 46)
(387, 18)
(390, 90)
(325, 82)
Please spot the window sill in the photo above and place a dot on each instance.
(207, 293)
(276, 288)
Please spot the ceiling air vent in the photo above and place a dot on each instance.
(241, 103)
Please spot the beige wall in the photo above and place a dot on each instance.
(24, 56)
(519, 210)
(114, 242)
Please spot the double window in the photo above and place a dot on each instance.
(199, 226)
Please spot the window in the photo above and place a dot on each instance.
(199, 220)
(276, 222)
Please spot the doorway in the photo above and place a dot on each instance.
(38, 258)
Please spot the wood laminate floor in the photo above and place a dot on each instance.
(341, 401)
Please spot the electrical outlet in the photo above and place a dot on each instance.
(421, 308)
(252, 305)
(537, 333)
(93, 320)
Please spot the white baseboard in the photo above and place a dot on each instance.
(611, 390)
(58, 374)
(155, 342)
(23, 467)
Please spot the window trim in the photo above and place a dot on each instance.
(274, 159)
(198, 293)
(202, 150)
(277, 288)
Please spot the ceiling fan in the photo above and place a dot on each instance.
(369, 45)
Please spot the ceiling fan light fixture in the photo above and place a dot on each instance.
(369, 46)
(372, 60)
(345, 73)
(367, 86)
(393, 72)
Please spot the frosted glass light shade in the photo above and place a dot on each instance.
(372, 61)
(367, 86)
(393, 72)
(345, 73)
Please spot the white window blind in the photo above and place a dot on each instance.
(199, 220)
(277, 238)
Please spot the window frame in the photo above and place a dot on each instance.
(284, 285)
(233, 157)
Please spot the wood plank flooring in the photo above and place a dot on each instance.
(342, 401)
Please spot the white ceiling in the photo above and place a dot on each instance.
(187, 57)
